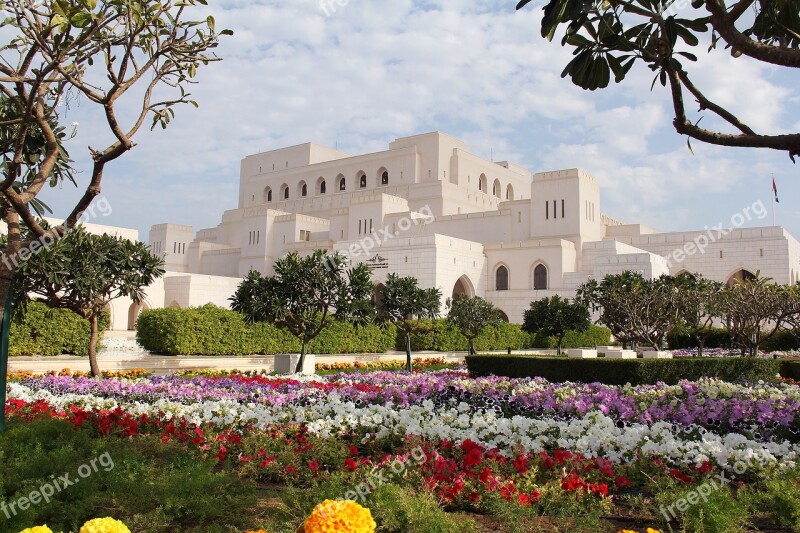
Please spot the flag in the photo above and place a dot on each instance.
(775, 191)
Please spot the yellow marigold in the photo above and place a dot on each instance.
(37, 529)
(256, 531)
(340, 516)
(651, 530)
(104, 525)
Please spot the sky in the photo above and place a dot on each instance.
(359, 73)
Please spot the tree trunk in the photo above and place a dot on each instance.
(408, 352)
(10, 257)
(560, 343)
(700, 344)
(95, 368)
(470, 348)
(302, 361)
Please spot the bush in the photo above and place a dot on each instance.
(40, 330)
(210, 330)
(440, 336)
(783, 341)
(622, 371)
(594, 336)
(717, 338)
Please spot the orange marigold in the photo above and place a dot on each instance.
(340, 516)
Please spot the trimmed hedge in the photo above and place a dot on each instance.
(594, 336)
(622, 371)
(48, 332)
(440, 336)
(790, 368)
(211, 330)
(719, 338)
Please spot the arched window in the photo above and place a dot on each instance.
(362, 181)
(503, 316)
(385, 178)
(321, 187)
(285, 191)
(482, 184)
(303, 189)
(540, 278)
(509, 193)
(496, 188)
(501, 279)
(268, 194)
(342, 184)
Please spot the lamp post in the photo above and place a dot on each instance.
(5, 331)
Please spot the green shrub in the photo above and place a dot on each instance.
(783, 341)
(211, 330)
(717, 338)
(440, 336)
(790, 368)
(622, 371)
(400, 510)
(594, 336)
(40, 330)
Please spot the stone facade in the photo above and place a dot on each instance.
(428, 207)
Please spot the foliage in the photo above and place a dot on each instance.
(41, 330)
(622, 371)
(471, 315)
(594, 336)
(754, 310)
(305, 293)
(84, 272)
(108, 54)
(129, 480)
(556, 316)
(440, 336)
(696, 302)
(405, 304)
(210, 330)
(609, 37)
(401, 510)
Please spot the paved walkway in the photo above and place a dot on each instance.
(122, 353)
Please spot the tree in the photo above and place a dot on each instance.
(555, 317)
(56, 53)
(697, 306)
(609, 36)
(754, 310)
(83, 272)
(405, 304)
(633, 308)
(305, 294)
(471, 315)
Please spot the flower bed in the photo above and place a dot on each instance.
(471, 444)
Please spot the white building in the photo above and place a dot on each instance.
(430, 208)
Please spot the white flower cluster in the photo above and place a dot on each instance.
(593, 435)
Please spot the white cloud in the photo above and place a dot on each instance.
(374, 70)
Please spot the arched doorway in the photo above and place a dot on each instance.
(741, 275)
(377, 296)
(503, 316)
(133, 314)
(463, 287)
(540, 278)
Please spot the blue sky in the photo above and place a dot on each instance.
(361, 73)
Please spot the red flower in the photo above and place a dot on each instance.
(474, 497)
(350, 464)
(622, 481)
(601, 489)
(353, 450)
(572, 482)
(290, 470)
(314, 467)
(524, 500)
(704, 468)
(535, 496)
(268, 461)
(473, 457)
(245, 458)
(561, 455)
(486, 474)
(521, 464)
(508, 491)
(223, 453)
(677, 474)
